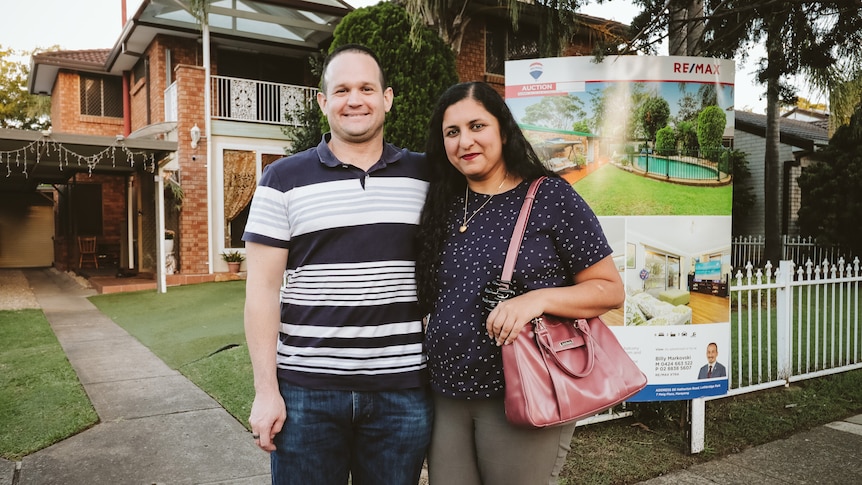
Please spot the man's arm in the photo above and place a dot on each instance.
(265, 272)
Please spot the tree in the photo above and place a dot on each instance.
(686, 134)
(736, 163)
(807, 37)
(831, 200)
(418, 72)
(557, 20)
(558, 112)
(665, 141)
(653, 115)
(18, 108)
(710, 130)
(310, 123)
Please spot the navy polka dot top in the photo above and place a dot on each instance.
(563, 236)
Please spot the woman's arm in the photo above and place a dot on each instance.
(597, 289)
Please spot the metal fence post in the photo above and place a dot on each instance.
(784, 319)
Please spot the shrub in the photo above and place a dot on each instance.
(417, 73)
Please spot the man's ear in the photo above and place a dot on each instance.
(321, 102)
(388, 96)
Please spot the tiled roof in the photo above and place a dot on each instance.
(798, 133)
(97, 57)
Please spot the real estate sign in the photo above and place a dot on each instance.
(645, 141)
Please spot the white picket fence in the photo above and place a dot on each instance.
(798, 322)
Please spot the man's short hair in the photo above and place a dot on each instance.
(350, 48)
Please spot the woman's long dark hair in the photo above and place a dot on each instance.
(447, 183)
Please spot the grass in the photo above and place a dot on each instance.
(611, 192)
(198, 330)
(41, 399)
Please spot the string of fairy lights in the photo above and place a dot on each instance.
(28, 157)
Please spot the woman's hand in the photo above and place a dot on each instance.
(509, 316)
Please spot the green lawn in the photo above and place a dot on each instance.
(41, 399)
(611, 191)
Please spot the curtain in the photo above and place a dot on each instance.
(239, 182)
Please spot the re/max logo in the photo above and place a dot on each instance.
(685, 67)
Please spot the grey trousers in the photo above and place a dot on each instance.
(473, 444)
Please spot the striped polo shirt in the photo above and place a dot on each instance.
(349, 313)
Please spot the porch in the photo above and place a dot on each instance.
(115, 280)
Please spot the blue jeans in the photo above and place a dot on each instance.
(373, 437)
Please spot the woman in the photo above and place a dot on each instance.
(482, 166)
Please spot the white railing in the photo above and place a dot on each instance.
(800, 322)
(171, 102)
(239, 99)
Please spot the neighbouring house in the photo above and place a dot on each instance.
(816, 117)
(799, 143)
(157, 143)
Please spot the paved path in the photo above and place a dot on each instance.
(156, 427)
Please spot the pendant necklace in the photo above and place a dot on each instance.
(463, 227)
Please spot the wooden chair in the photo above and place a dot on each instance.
(87, 250)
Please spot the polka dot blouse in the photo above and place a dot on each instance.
(563, 236)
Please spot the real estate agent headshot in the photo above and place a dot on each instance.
(712, 368)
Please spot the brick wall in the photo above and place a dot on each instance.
(470, 63)
(194, 238)
(66, 114)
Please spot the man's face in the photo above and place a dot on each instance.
(354, 103)
(711, 353)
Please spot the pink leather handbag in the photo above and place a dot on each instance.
(560, 370)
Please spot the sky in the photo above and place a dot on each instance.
(96, 24)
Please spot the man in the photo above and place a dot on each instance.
(344, 393)
(712, 368)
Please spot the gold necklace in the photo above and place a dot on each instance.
(463, 227)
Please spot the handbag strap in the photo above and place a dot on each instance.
(518, 233)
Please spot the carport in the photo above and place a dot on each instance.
(41, 170)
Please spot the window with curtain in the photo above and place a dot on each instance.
(239, 185)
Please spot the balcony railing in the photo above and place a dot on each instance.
(238, 99)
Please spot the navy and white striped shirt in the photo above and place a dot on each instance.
(349, 313)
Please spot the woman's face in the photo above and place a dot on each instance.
(471, 136)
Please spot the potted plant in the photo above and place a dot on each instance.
(169, 241)
(234, 259)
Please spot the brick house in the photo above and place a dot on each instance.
(147, 96)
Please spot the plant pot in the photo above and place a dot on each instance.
(233, 267)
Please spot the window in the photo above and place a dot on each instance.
(239, 185)
(102, 96)
(503, 44)
(664, 270)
